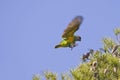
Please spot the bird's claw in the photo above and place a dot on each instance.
(73, 45)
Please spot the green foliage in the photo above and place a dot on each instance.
(108, 44)
(50, 76)
(36, 77)
(101, 68)
(117, 34)
(117, 31)
(102, 64)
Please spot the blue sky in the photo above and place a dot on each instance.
(29, 30)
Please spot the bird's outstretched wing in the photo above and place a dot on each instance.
(72, 27)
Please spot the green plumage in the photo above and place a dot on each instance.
(63, 43)
(68, 36)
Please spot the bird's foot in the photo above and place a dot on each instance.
(73, 45)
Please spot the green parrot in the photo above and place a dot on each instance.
(68, 37)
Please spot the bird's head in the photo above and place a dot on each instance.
(77, 38)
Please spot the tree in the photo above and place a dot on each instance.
(101, 64)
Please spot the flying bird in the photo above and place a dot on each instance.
(68, 37)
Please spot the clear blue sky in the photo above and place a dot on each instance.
(29, 30)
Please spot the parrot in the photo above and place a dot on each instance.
(68, 37)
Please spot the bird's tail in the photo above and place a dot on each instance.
(58, 46)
